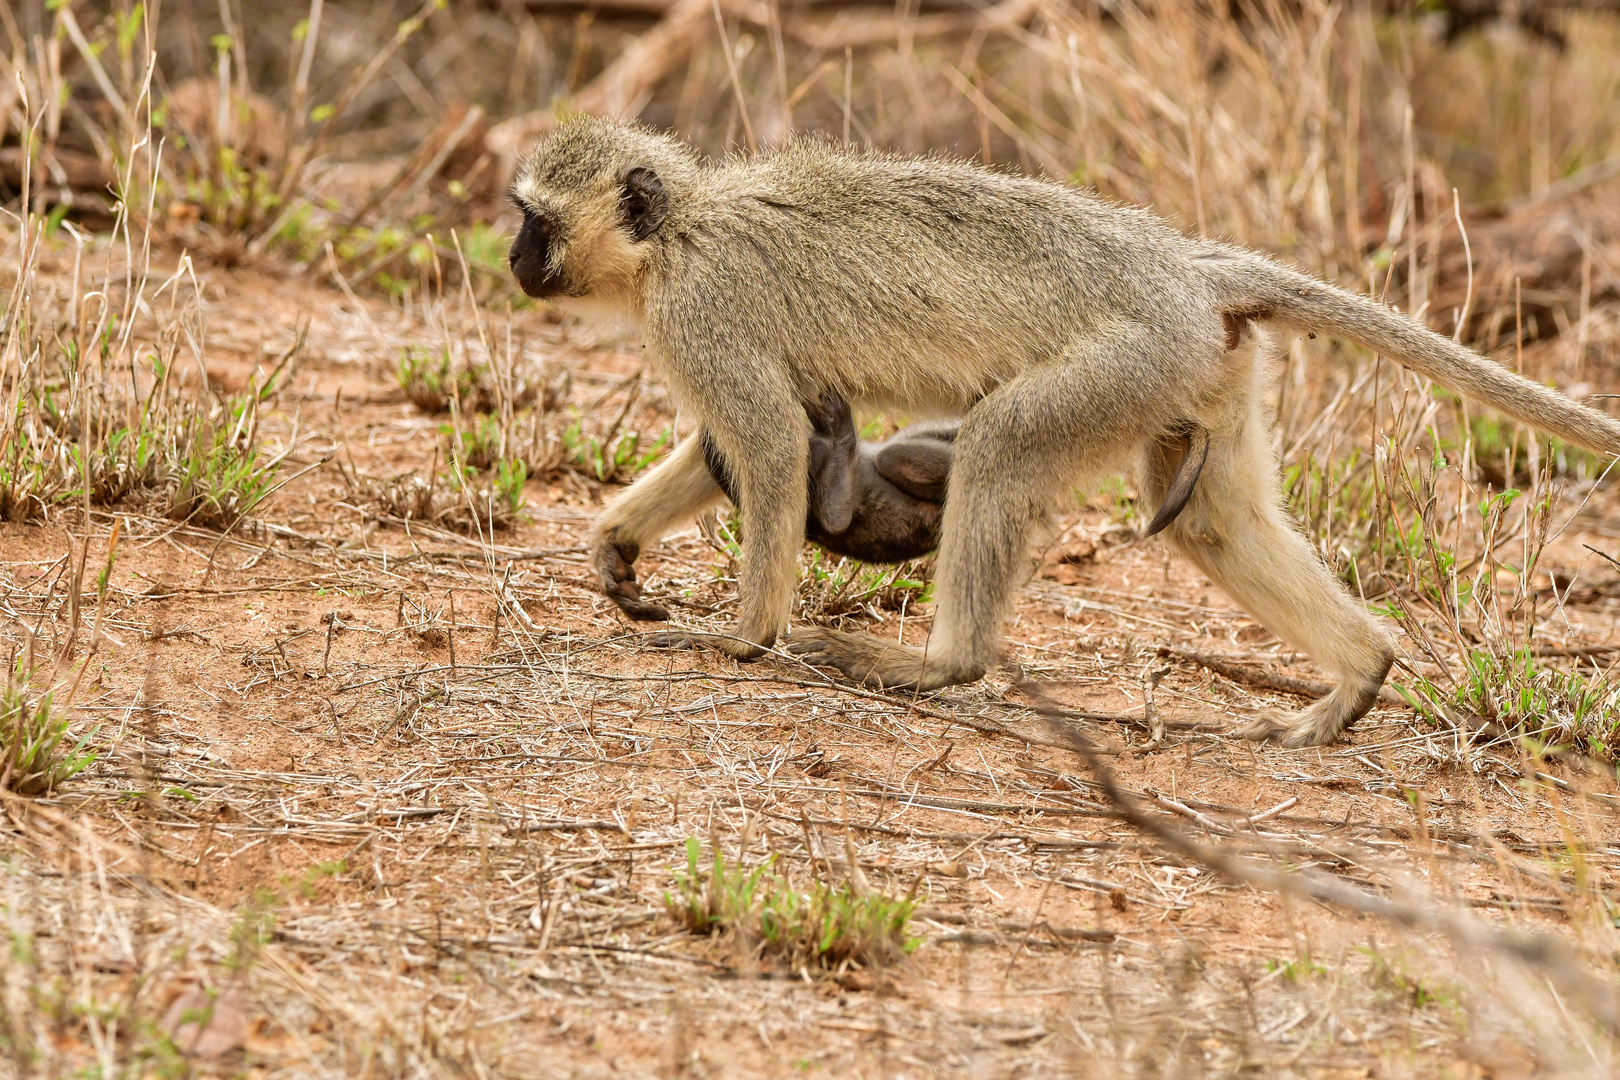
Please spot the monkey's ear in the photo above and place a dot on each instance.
(643, 203)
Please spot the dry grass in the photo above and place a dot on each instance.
(379, 790)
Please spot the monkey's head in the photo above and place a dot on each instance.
(595, 196)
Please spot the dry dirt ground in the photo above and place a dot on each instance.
(407, 802)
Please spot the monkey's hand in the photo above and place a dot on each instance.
(615, 565)
(871, 661)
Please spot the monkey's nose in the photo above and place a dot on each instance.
(530, 257)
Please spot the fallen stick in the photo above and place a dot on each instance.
(1188, 812)
(617, 91)
(1287, 804)
(566, 826)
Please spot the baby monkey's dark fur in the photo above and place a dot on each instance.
(879, 502)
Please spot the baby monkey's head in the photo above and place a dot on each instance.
(593, 193)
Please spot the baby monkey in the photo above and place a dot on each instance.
(881, 502)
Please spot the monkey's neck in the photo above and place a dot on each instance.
(613, 316)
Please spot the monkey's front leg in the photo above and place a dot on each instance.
(676, 490)
(769, 472)
(986, 518)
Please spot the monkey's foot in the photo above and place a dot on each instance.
(736, 648)
(1315, 726)
(1323, 722)
(873, 661)
(615, 565)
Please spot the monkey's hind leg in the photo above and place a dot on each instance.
(1234, 530)
(1018, 447)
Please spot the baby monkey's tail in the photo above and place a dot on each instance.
(1251, 286)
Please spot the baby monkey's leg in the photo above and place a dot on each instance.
(918, 460)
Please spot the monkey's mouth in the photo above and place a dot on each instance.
(534, 274)
(542, 288)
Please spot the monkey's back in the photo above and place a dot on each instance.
(920, 281)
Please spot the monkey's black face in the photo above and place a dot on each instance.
(530, 257)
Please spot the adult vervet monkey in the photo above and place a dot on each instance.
(1075, 331)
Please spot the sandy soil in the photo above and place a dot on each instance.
(409, 801)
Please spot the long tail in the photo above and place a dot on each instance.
(1251, 286)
